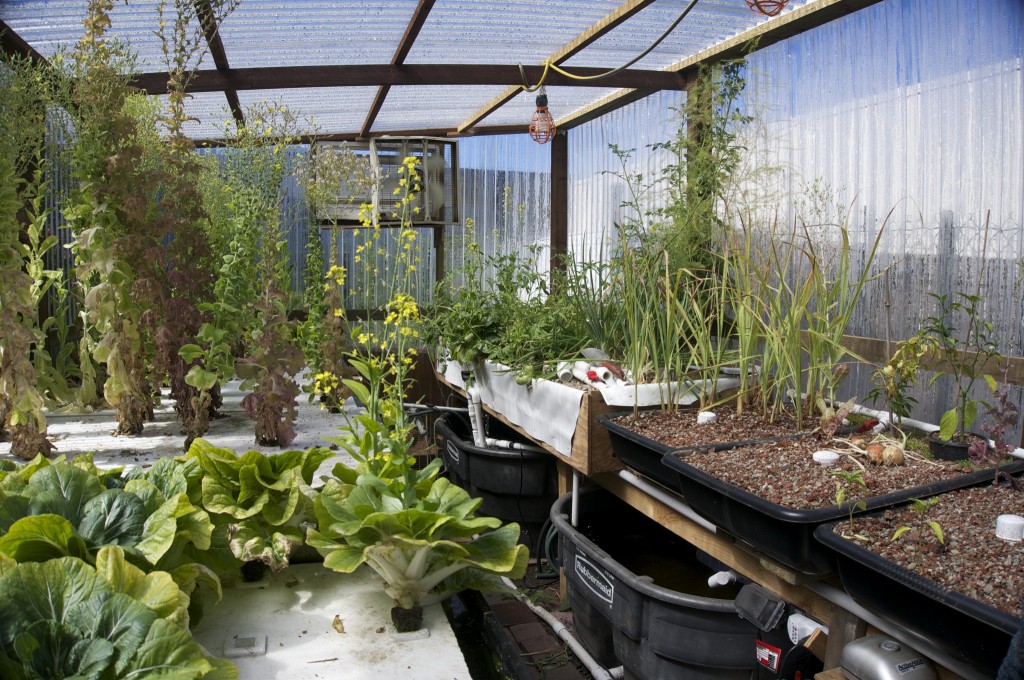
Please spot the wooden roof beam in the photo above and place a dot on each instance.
(768, 33)
(573, 47)
(13, 44)
(412, 31)
(355, 75)
(204, 10)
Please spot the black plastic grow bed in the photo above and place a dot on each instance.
(962, 626)
(645, 455)
(514, 485)
(787, 534)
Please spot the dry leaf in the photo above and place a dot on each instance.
(338, 625)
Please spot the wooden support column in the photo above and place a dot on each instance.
(559, 204)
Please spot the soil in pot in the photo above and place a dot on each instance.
(783, 472)
(972, 560)
(407, 620)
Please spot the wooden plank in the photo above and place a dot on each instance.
(574, 46)
(719, 546)
(874, 351)
(768, 33)
(358, 75)
(204, 10)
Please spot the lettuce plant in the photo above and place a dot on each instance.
(262, 500)
(65, 618)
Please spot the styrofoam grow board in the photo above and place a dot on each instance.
(316, 623)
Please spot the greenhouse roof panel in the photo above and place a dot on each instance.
(363, 67)
(208, 113)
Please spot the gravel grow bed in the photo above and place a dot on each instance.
(784, 473)
(971, 561)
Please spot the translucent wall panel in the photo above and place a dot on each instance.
(506, 198)
(909, 115)
(598, 189)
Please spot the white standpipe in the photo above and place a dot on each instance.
(476, 416)
(575, 505)
(597, 671)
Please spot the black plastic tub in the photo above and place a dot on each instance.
(624, 618)
(515, 486)
(964, 627)
(787, 534)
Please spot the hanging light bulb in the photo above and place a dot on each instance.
(542, 125)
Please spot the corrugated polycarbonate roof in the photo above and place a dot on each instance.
(316, 36)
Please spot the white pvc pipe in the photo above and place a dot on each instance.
(574, 512)
(476, 416)
(671, 501)
(515, 446)
(597, 671)
(841, 599)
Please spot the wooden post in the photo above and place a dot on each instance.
(559, 205)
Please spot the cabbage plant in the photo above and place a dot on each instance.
(425, 551)
(65, 618)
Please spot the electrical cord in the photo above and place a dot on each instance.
(548, 65)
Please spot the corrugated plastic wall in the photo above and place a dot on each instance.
(914, 108)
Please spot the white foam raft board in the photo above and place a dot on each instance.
(316, 623)
(74, 433)
(295, 609)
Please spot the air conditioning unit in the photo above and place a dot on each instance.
(437, 166)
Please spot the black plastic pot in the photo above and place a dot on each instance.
(787, 534)
(515, 486)
(952, 449)
(624, 617)
(965, 628)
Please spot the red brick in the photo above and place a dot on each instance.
(533, 638)
(566, 672)
(512, 613)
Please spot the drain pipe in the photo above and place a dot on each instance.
(574, 508)
(671, 501)
(597, 671)
(514, 446)
(841, 599)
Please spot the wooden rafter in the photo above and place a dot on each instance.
(412, 31)
(580, 42)
(204, 10)
(768, 33)
(14, 44)
(354, 75)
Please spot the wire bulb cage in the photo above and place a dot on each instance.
(769, 8)
(542, 125)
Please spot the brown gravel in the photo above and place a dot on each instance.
(784, 472)
(679, 429)
(973, 561)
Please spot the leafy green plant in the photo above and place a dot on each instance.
(74, 509)
(262, 499)
(66, 618)
(921, 507)
(966, 359)
(893, 380)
